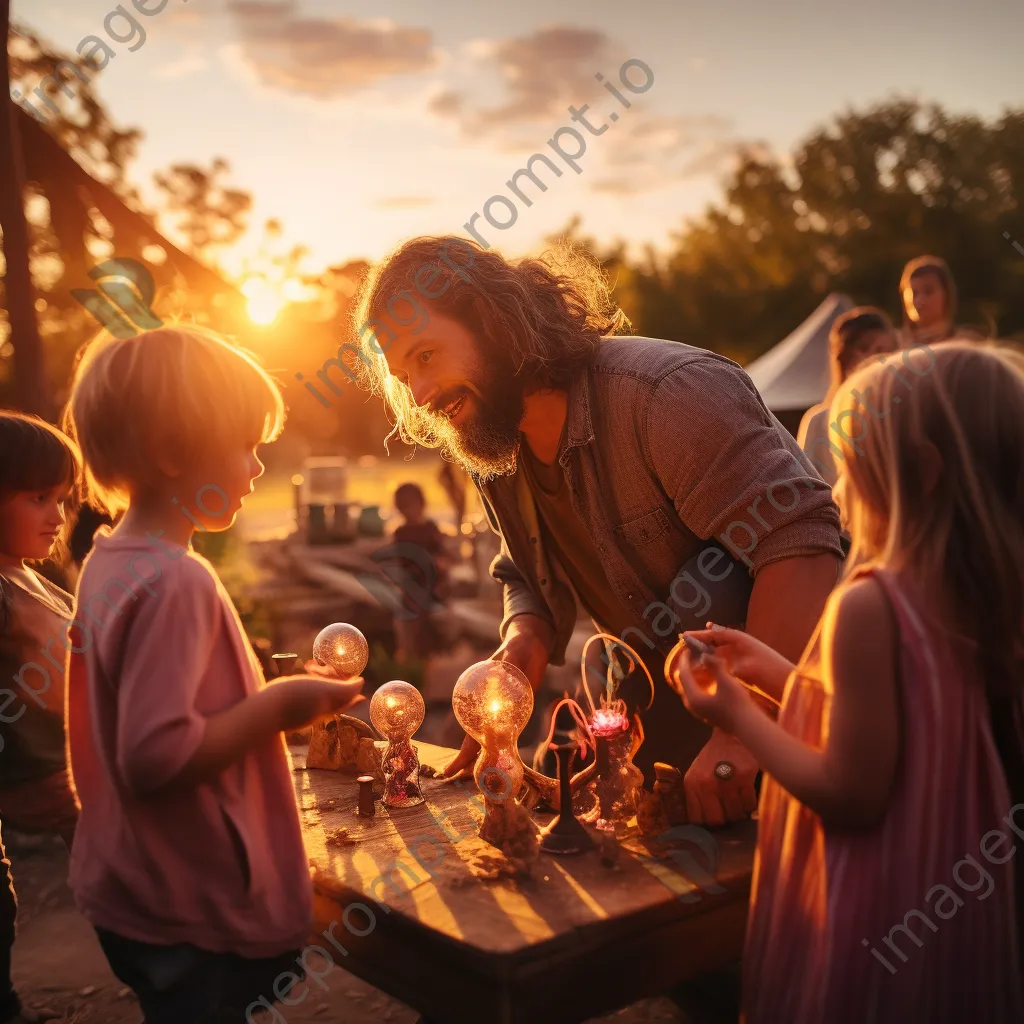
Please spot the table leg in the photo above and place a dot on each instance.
(712, 998)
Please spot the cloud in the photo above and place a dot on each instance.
(542, 73)
(655, 151)
(403, 202)
(187, 65)
(325, 57)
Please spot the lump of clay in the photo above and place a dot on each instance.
(334, 743)
(370, 757)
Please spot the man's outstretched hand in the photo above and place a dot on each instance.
(527, 646)
(463, 760)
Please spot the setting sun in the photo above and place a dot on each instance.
(263, 301)
(263, 309)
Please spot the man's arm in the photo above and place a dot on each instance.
(787, 601)
(526, 634)
(735, 475)
(732, 471)
(517, 596)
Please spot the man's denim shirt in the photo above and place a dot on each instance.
(687, 484)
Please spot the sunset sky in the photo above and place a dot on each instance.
(360, 123)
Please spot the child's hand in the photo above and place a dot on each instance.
(303, 700)
(747, 658)
(709, 691)
(314, 668)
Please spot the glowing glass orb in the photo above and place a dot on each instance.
(492, 701)
(342, 647)
(397, 710)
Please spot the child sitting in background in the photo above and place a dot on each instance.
(39, 470)
(421, 562)
(188, 859)
(884, 885)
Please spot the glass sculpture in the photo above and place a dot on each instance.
(493, 701)
(617, 739)
(396, 711)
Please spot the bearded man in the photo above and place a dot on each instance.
(643, 480)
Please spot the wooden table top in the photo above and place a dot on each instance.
(430, 870)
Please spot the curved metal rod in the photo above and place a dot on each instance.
(634, 659)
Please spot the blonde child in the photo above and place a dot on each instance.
(188, 858)
(39, 469)
(884, 885)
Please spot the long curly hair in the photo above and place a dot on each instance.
(545, 316)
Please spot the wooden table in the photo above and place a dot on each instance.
(584, 935)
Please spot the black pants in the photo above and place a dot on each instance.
(183, 983)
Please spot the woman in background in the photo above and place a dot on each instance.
(855, 337)
(929, 296)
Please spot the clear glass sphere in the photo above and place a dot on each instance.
(492, 701)
(342, 647)
(397, 710)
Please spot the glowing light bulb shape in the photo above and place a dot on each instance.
(493, 701)
(396, 711)
(342, 647)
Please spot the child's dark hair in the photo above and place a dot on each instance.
(407, 493)
(845, 340)
(35, 456)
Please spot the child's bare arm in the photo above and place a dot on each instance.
(286, 704)
(848, 782)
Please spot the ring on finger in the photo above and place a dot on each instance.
(724, 771)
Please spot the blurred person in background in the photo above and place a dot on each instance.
(856, 336)
(929, 296)
(420, 555)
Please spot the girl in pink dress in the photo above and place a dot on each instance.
(884, 888)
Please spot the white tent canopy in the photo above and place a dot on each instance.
(794, 375)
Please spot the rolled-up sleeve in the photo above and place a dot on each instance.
(166, 654)
(733, 471)
(517, 596)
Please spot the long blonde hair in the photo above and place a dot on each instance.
(933, 485)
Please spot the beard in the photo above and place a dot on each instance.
(486, 442)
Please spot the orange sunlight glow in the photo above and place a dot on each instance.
(263, 301)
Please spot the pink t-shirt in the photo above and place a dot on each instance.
(158, 648)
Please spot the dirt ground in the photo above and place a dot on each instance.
(58, 962)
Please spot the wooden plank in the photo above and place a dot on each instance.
(510, 947)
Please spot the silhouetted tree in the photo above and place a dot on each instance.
(209, 215)
(29, 383)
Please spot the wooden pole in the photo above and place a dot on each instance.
(29, 369)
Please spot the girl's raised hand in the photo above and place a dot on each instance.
(747, 658)
(708, 690)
